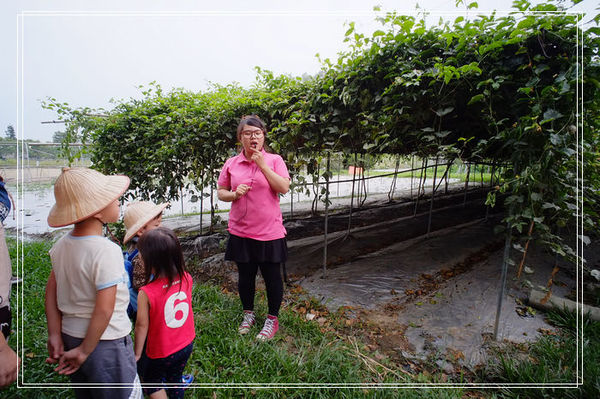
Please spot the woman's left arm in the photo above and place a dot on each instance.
(279, 184)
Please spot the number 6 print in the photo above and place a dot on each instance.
(171, 310)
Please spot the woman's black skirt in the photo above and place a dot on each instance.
(247, 250)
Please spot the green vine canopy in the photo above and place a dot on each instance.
(521, 90)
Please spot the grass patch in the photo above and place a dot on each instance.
(553, 359)
(304, 352)
(301, 353)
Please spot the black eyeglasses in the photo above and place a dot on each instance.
(256, 133)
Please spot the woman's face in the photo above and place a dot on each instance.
(252, 137)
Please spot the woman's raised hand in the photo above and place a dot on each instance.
(241, 190)
(257, 157)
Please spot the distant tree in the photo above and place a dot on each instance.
(10, 133)
(58, 137)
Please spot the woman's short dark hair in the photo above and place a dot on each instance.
(161, 252)
(252, 120)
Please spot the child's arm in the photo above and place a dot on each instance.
(141, 324)
(54, 320)
(70, 361)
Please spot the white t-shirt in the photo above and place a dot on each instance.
(83, 266)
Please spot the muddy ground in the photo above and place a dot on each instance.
(415, 297)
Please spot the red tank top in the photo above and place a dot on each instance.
(171, 325)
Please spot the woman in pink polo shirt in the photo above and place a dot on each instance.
(252, 181)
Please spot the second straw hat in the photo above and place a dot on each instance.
(138, 214)
(83, 192)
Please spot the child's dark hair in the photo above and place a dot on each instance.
(161, 252)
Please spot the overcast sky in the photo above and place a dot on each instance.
(85, 53)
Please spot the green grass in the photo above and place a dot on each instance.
(300, 353)
(553, 359)
(303, 353)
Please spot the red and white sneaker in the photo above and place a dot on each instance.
(269, 329)
(247, 323)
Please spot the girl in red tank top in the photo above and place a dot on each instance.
(165, 315)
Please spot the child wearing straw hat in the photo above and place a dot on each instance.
(139, 217)
(86, 293)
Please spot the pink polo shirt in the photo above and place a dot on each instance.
(257, 214)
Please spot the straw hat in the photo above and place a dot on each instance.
(81, 193)
(138, 214)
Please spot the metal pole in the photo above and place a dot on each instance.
(502, 281)
(326, 216)
(393, 188)
(448, 171)
(412, 172)
(338, 177)
(212, 209)
(292, 203)
(487, 207)
(432, 195)
(467, 184)
(351, 199)
(421, 182)
(481, 171)
(201, 201)
(181, 196)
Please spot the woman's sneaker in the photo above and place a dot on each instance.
(247, 323)
(269, 329)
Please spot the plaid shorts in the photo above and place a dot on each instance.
(4, 211)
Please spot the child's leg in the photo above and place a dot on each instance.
(111, 363)
(167, 371)
(246, 284)
(162, 394)
(175, 365)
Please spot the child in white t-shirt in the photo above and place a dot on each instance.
(86, 293)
